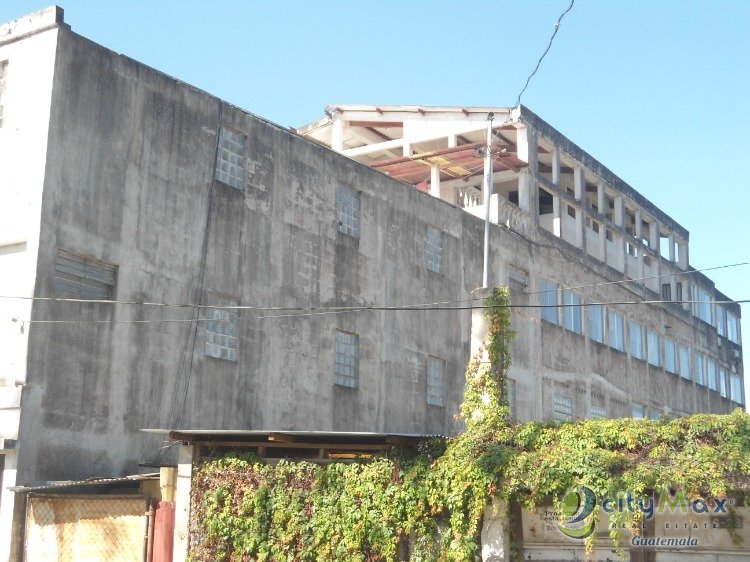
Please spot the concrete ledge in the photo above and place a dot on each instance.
(32, 23)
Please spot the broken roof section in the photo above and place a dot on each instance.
(429, 146)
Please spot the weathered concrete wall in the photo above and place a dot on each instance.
(130, 181)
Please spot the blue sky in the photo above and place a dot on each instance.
(656, 90)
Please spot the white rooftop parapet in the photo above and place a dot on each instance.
(49, 17)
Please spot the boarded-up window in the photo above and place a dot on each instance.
(82, 277)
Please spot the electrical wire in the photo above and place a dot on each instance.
(343, 308)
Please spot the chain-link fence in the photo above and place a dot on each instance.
(67, 528)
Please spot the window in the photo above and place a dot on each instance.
(698, 368)
(704, 305)
(435, 381)
(678, 292)
(736, 388)
(347, 207)
(684, 362)
(518, 279)
(655, 414)
(733, 328)
(616, 331)
(572, 312)
(639, 411)
(230, 159)
(723, 382)
(653, 348)
(571, 211)
(563, 410)
(713, 374)
(636, 339)
(548, 298)
(597, 412)
(79, 277)
(3, 74)
(596, 322)
(434, 250)
(670, 356)
(221, 328)
(666, 291)
(512, 399)
(721, 321)
(346, 359)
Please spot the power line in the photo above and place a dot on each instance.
(409, 308)
(343, 308)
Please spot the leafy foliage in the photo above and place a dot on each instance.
(434, 499)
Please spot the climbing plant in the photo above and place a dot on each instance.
(428, 504)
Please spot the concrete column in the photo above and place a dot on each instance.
(528, 151)
(556, 167)
(407, 152)
(525, 192)
(639, 260)
(654, 241)
(182, 503)
(435, 180)
(601, 201)
(684, 257)
(556, 219)
(452, 141)
(496, 532)
(619, 214)
(337, 134)
(671, 247)
(579, 187)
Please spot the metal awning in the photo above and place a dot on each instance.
(88, 482)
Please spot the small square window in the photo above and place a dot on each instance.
(563, 408)
(435, 381)
(598, 412)
(434, 250)
(571, 211)
(346, 359)
(230, 159)
(221, 328)
(347, 209)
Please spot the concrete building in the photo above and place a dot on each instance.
(119, 183)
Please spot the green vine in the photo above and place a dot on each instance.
(428, 505)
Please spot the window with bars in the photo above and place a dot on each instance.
(639, 411)
(221, 328)
(684, 362)
(596, 322)
(435, 381)
(81, 277)
(636, 339)
(347, 208)
(230, 159)
(572, 312)
(713, 374)
(563, 408)
(721, 321)
(733, 328)
(654, 355)
(736, 388)
(698, 368)
(670, 356)
(434, 250)
(616, 331)
(518, 285)
(704, 305)
(598, 412)
(346, 359)
(548, 300)
(723, 382)
(3, 75)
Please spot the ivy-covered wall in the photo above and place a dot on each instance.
(428, 504)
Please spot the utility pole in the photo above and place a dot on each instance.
(487, 189)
